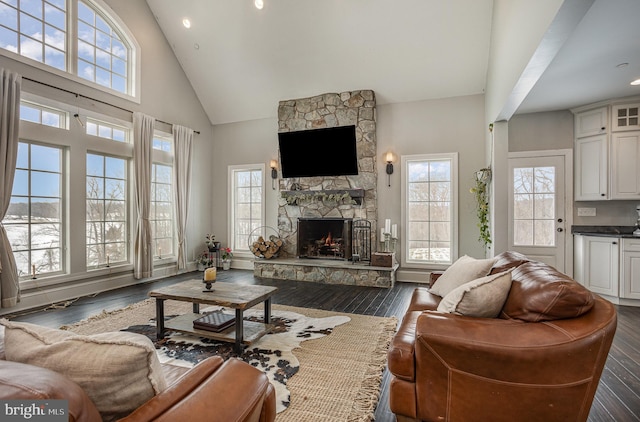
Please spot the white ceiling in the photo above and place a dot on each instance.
(585, 70)
(248, 60)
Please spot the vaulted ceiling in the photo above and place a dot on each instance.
(242, 61)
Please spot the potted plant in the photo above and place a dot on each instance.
(210, 241)
(204, 261)
(226, 258)
(481, 195)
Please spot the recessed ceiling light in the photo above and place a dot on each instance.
(186, 22)
(636, 82)
(259, 4)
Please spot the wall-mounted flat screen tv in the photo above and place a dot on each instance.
(319, 152)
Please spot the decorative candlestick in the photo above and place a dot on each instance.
(387, 242)
(209, 278)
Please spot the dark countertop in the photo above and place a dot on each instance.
(605, 231)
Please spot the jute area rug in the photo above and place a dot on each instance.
(337, 358)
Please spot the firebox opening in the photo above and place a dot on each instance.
(326, 238)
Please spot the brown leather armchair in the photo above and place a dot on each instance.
(213, 390)
(540, 360)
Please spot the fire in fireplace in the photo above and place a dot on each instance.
(326, 238)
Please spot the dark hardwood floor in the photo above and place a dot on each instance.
(617, 398)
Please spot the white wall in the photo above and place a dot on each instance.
(167, 95)
(541, 131)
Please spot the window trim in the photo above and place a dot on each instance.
(244, 252)
(405, 160)
(72, 53)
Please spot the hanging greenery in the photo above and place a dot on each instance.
(301, 197)
(481, 195)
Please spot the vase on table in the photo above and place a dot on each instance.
(226, 264)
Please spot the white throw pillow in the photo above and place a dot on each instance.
(483, 297)
(460, 272)
(119, 371)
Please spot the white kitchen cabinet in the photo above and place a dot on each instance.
(607, 154)
(630, 269)
(625, 117)
(591, 122)
(591, 168)
(596, 263)
(625, 165)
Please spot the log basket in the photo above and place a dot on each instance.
(265, 248)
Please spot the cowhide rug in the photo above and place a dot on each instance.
(272, 353)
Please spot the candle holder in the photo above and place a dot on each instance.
(209, 278)
(394, 242)
(387, 242)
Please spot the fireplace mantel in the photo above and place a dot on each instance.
(298, 196)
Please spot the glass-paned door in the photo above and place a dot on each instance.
(536, 208)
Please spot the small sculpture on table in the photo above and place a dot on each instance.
(209, 278)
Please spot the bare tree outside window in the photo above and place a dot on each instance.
(106, 218)
(534, 206)
(161, 214)
(429, 211)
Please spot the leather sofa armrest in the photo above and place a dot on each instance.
(21, 381)
(433, 277)
(213, 391)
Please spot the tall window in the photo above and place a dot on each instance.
(430, 208)
(161, 214)
(34, 220)
(247, 203)
(106, 198)
(74, 36)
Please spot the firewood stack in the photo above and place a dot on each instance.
(266, 248)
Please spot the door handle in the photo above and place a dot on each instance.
(559, 230)
(559, 220)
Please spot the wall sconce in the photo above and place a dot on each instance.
(389, 159)
(274, 173)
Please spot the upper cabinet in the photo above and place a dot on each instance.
(625, 165)
(625, 117)
(591, 122)
(607, 152)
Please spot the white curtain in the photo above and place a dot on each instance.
(9, 124)
(182, 140)
(142, 141)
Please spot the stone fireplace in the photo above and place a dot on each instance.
(329, 200)
(323, 111)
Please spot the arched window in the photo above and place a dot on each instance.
(78, 37)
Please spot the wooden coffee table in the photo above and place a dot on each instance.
(237, 296)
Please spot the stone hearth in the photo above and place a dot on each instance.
(326, 272)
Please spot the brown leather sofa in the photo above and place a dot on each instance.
(212, 391)
(540, 360)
